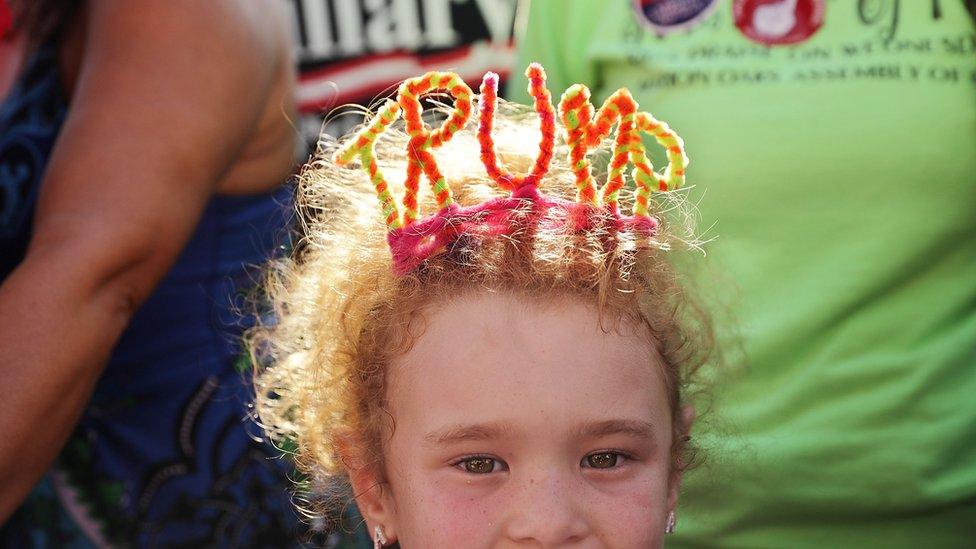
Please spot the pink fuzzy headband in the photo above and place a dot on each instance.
(413, 240)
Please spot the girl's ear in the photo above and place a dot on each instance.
(369, 488)
(674, 486)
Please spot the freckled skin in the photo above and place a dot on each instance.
(540, 371)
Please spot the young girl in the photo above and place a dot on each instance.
(504, 365)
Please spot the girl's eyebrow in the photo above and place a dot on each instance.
(468, 432)
(488, 431)
(631, 427)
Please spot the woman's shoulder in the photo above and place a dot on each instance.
(248, 33)
(238, 49)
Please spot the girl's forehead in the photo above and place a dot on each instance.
(503, 357)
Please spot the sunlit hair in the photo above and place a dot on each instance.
(340, 313)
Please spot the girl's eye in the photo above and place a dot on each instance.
(602, 460)
(480, 465)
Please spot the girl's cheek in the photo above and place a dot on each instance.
(456, 514)
(637, 514)
(627, 514)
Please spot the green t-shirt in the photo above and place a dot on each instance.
(841, 173)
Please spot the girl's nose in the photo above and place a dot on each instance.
(547, 512)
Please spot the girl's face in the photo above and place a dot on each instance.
(519, 423)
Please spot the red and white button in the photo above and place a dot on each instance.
(778, 22)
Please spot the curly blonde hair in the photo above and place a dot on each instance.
(340, 314)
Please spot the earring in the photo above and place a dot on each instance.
(672, 520)
(379, 538)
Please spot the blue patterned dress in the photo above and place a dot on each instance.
(163, 455)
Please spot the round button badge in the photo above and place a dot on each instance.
(668, 16)
(778, 22)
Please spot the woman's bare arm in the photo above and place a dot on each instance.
(168, 95)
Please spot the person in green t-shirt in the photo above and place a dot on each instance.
(835, 145)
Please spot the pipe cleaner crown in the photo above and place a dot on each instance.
(412, 240)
